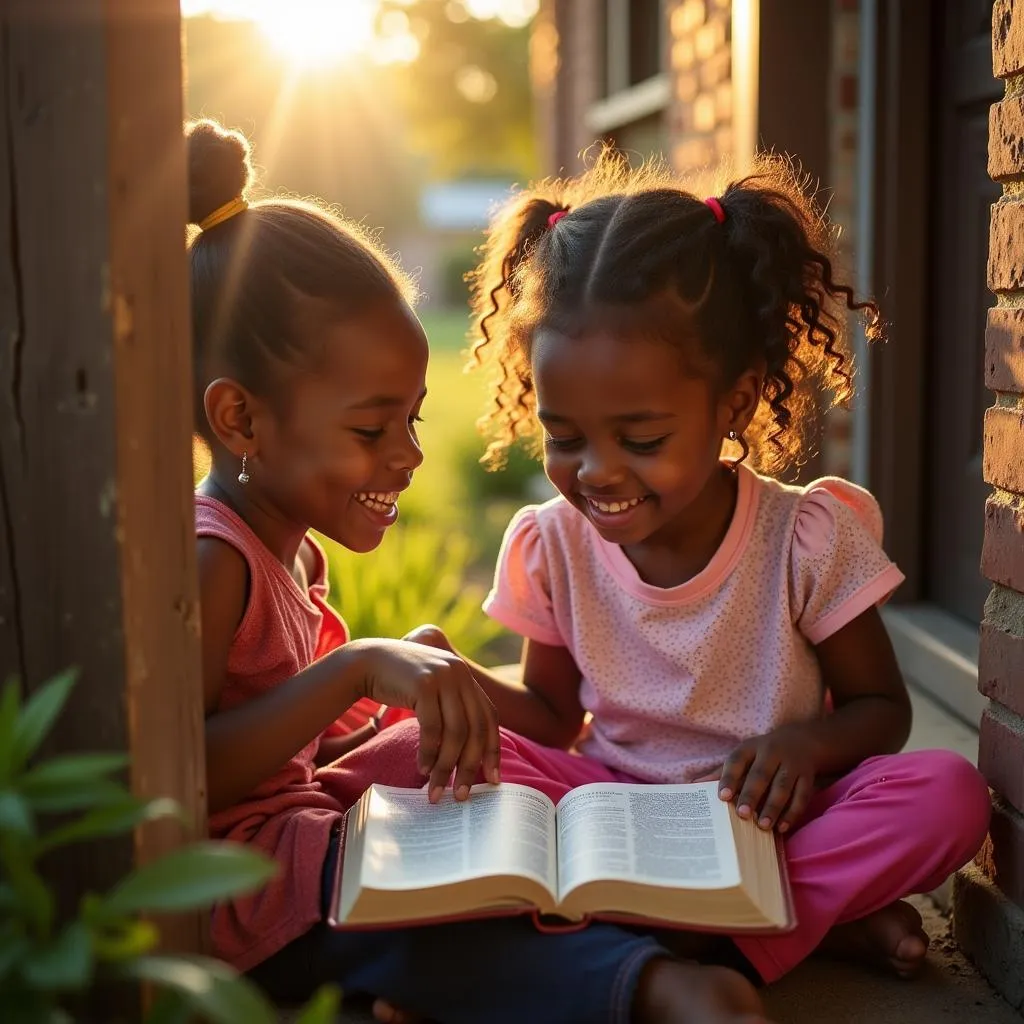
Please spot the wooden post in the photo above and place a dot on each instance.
(97, 558)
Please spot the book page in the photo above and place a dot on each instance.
(410, 843)
(648, 834)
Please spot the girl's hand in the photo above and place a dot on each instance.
(773, 776)
(458, 723)
(431, 636)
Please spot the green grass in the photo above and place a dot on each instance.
(451, 490)
(447, 329)
(454, 402)
(419, 574)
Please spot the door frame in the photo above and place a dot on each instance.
(937, 651)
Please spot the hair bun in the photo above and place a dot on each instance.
(218, 167)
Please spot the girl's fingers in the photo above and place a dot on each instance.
(757, 782)
(802, 793)
(735, 771)
(428, 713)
(778, 798)
(429, 636)
(473, 749)
(491, 762)
(485, 718)
(455, 731)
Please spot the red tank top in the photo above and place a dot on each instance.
(290, 815)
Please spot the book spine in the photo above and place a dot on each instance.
(332, 910)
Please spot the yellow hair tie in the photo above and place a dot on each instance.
(223, 213)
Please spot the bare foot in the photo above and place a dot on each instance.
(890, 938)
(673, 992)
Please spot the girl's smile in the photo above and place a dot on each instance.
(610, 513)
(381, 507)
(632, 440)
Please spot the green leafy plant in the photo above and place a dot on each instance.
(47, 966)
(456, 263)
(520, 476)
(417, 575)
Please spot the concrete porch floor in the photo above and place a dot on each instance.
(823, 992)
(948, 990)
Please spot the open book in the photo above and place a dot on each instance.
(673, 856)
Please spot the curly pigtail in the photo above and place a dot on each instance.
(497, 286)
(779, 243)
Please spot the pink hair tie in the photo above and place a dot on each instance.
(716, 208)
(556, 217)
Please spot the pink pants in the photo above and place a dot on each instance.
(896, 825)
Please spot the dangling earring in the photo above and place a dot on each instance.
(243, 477)
(733, 436)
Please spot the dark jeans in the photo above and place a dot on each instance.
(498, 971)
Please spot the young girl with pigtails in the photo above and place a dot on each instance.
(672, 353)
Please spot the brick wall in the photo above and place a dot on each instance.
(990, 895)
(568, 72)
(700, 66)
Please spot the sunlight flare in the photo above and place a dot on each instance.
(317, 32)
(307, 33)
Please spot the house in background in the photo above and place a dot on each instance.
(438, 245)
(887, 103)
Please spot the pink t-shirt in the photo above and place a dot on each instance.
(676, 677)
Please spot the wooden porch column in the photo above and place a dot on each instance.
(97, 563)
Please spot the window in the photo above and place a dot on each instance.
(633, 42)
(634, 90)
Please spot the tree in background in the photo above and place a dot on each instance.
(440, 95)
(466, 96)
(333, 131)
